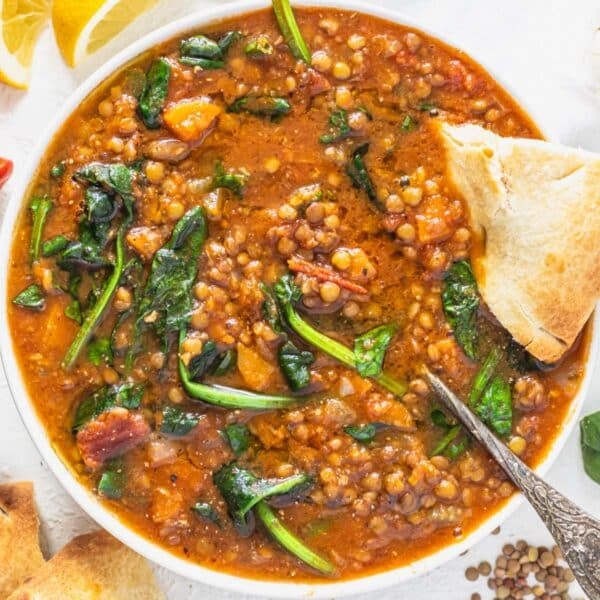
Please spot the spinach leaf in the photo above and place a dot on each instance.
(227, 397)
(449, 437)
(94, 316)
(408, 124)
(590, 445)
(483, 376)
(290, 30)
(155, 92)
(166, 302)
(370, 348)
(112, 177)
(228, 39)
(439, 418)
(225, 362)
(519, 359)
(201, 364)
(176, 421)
(200, 46)
(295, 365)
(58, 170)
(259, 47)
(457, 446)
(357, 171)
(339, 129)
(100, 351)
(112, 481)
(31, 297)
(40, 208)
(73, 311)
(366, 433)
(231, 181)
(201, 51)
(495, 406)
(54, 245)
(242, 490)
(270, 310)
(206, 511)
(126, 395)
(262, 106)
(238, 435)
(288, 294)
(460, 299)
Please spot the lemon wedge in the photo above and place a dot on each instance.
(82, 27)
(21, 22)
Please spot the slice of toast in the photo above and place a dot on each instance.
(94, 566)
(20, 554)
(536, 206)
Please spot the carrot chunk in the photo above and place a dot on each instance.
(192, 119)
(324, 274)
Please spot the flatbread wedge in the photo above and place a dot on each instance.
(536, 205)
(20, 554)
(94, 566)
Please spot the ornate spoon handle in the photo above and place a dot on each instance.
(576, 533)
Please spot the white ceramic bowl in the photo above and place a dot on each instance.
(83, 496)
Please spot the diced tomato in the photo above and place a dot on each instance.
(6, 169)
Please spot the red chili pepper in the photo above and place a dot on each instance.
(6, 169)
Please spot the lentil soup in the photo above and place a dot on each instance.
(233, 263)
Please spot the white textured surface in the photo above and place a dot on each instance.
(548, 50)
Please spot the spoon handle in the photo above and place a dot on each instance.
(576, 533)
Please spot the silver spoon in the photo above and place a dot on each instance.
(576, 533)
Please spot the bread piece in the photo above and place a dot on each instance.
(94, 566)
(20, 553)
(537, 207)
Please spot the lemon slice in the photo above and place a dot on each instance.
(21, 22)
(82, 27)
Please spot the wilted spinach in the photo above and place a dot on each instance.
(31, 297)
(359, 175)
(166, 302)
(366, 433)
(259, 47)
(206, 511)
(370, 348)
(238, 435)
(243, 492)
(294, 363)
(176, 421)
(40, 208)
(262, 106)
(126, 395)
(339, 129)
(234, 182)
(201, 51)
(113, 480)
(100, 351)
(460, 299)
(495, 406)
(590, 445)
(155, 92)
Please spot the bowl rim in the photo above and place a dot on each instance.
(84, 498)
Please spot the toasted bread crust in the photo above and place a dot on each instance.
(537, 205)
(92, 566)
(20, 554)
